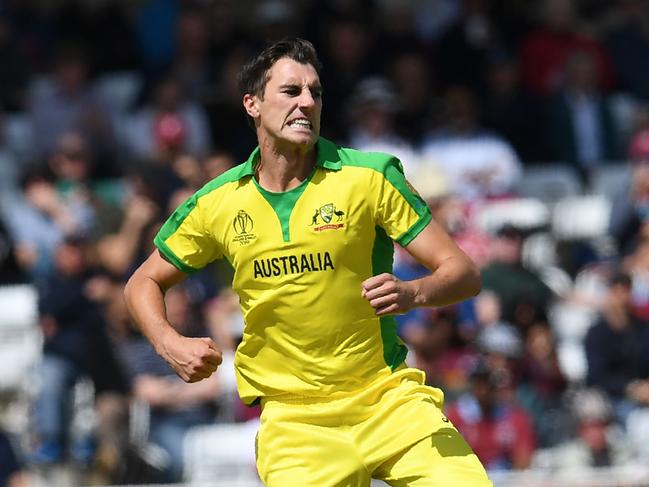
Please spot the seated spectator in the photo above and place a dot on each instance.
(499, 432)
(630, 208)
(580, 126)
(542, 384)
(372, 107)
(597, 441)
(76, 344)
(69, 103)
(617, 351)
(478, 164)
(175, 406)
(441, 352)
(628, 42)
(41, 220)
(217, 163)
(168, 125)
(73, 164)
(545, 49)
(523, 295)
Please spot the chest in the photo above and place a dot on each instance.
(304, 230)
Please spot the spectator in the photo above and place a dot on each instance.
(372, 107)
(511, 110)
(69, 103)
(192, 64)
(580, 125)
(347, 53)
(413, 79)
(175, 406)
(542, 385)
(598, 441)
(478, 164)
(544, 51)
(499, 431)
(463, 51)
(628, 43)
(441, 352)
(76, 345)
(40, 220)
(630, 206)
(229, 127)
(217, 163)
(78, 184)
(522, 293)
(617, 350)
(169, 124)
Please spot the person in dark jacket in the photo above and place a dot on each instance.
(617, 351)
(76, 344)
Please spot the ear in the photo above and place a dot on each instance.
(251, 105)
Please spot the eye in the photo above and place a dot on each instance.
(291, 91)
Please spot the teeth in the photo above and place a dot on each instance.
(300, 123)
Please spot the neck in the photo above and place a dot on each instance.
(282, 168)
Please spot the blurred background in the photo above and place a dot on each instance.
(523, 124)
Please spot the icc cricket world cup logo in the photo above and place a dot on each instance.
(243, 226)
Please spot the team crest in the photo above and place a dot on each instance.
(243, 226)
(323, 217)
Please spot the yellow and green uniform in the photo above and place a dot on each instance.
(299, 259)
(339, 405)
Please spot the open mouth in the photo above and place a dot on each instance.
(300, 123)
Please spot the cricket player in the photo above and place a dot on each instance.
(309, 228)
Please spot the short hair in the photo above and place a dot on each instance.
(620, 278)
(253, 76)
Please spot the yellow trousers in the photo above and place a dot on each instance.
(393, 430)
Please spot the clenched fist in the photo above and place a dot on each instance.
(193, 359)
(389, 295)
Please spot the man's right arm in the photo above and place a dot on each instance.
(192, 359)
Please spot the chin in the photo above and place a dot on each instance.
(303, 139)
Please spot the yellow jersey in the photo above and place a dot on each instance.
(299, 259)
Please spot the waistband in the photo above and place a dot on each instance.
(401, 373)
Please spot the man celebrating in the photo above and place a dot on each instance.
(309, 228)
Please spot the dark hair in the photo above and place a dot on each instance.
(620, 278)
(253, 76)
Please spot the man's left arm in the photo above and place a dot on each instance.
(454, 277)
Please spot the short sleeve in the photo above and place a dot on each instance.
(185, 241)
(400, 211)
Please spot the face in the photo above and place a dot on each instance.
(289, 111)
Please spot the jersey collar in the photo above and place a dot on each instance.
(327, 157)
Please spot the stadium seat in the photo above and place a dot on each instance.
(119, 90)
(581, 217)
(524, 213)
(549, 182)
(20, 338)
(610, 180)
(221, 451)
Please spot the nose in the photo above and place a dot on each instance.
(306, 99)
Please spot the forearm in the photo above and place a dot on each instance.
(456, 279)
(145, 302)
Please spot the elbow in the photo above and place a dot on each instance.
(128, 287)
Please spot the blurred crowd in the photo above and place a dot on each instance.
(113, 112)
